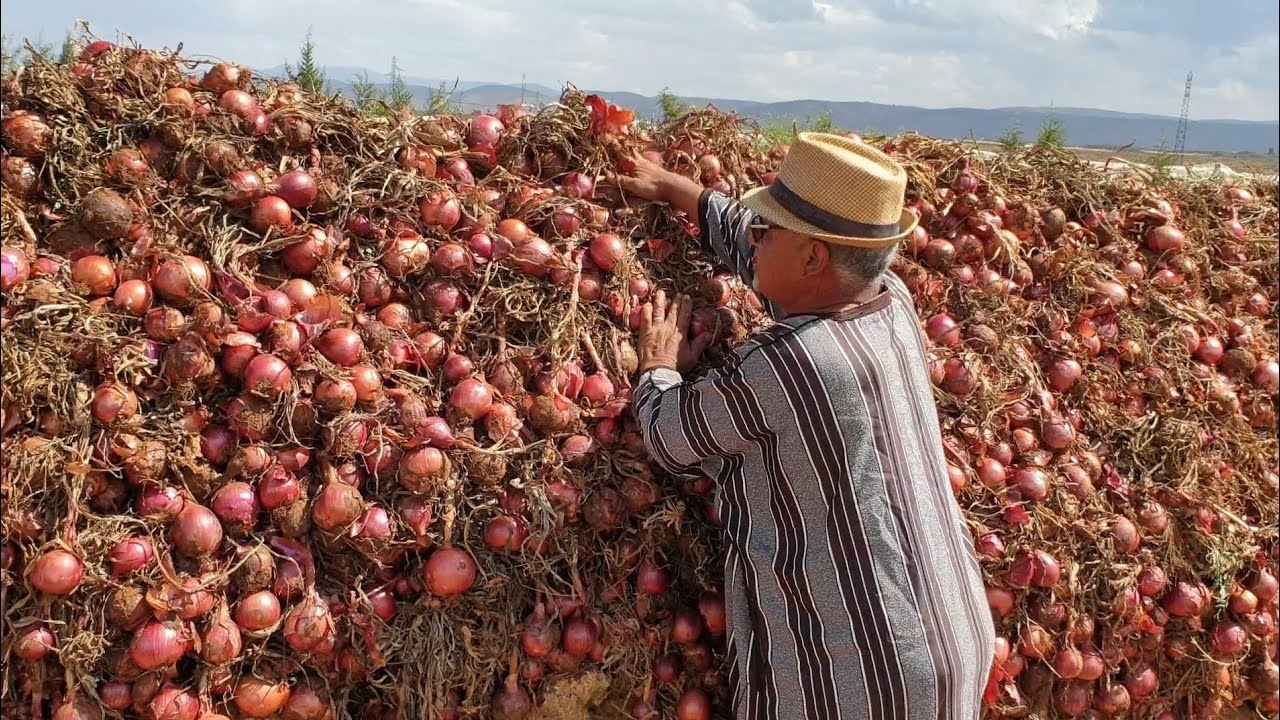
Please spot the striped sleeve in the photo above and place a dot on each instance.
(725, 227)
(684, 423)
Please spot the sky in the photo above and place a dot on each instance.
(1125, 55)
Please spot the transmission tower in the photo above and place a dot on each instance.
(1180, 142)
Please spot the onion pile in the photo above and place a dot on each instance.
(276, 438)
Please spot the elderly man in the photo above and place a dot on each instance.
(852, 587)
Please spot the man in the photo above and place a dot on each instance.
(852, 588)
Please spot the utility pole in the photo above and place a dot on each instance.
(1180, 142)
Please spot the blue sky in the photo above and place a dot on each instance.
(1129, 55)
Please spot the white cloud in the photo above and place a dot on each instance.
(1099, 53)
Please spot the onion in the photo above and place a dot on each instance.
(257, 697)
(16, 270)
(309, 626)
(26, 134)
(1151, 582)
(268, 376)
(239, 103)
(236, 505)
(341, 346)
(1125, 535)
(34, 642)
(1183, 600)
(297, 188)
(56, 572)
(1032, 482)
(1264, 586)
(336, 506)
(579, 185)
(1112, 700)
(471, 398)
(440, 208)
(258, 611)
(1063, 373)
(116, 695)
(196, 531)
(943, 330)
(96, 273)
(533, 257)
(693, 705)
(607, 250)
(271, 212)
(131, 554)
(452, 259)
(1228, 638)
(221, 642)
(1165, 238)
(158, 645)
(449, 571)
(651, 579)
(1210, 350)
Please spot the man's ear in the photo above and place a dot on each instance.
(817, 257)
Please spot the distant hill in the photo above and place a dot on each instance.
(1086, 127)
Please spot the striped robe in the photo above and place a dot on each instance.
(852, 587)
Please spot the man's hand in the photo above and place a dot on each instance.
(664, 333)
(650, 181)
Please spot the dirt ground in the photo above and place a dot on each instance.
(1239, 162)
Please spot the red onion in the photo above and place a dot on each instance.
(452, 259)
(693, 705)
(258, 611)
(297, 188)
(309, 626)
(34, 642)
(449, 571)
(533, 257)
(440, 208)
(471, 398)
(56, 572)
(607, 250)
(1183, 600)
(236, 505)
(268, 376)
(341, 346)
(1165, 238)
(651, 579)
(131, 554)
(1125, 535)
(257, 697)
(1228, 638)
(579, 185)
(158, 645)
(244, 188)
(160, 503)
(1032, 482)
(943, 330)
(196, 531)
(16, 270)
(336, 506)
(222, 641)
(271, 212)
(445, 297)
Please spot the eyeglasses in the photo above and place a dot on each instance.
(758, 229)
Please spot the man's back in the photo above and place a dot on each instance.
(850, 579)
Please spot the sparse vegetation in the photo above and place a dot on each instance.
(672, 106)
(1012, 139)
(785, 130)
(1161, 159)
(398, 95)
(308, 74)
(1052, 132)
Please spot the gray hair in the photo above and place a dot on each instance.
(859, 265)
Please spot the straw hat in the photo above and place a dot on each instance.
(837, 189)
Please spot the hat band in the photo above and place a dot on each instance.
(825, 221)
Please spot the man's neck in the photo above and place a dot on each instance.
(830, 303)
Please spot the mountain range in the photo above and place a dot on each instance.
(1085, 127)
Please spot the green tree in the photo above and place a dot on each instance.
(9, 52)
(1161, 159)
(366, 93)
(1052, 132)
(399, 96)
(71, 46)
(308, 75)
(440, 101)
(823, 123)
(1011, 139)
(671, 105)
